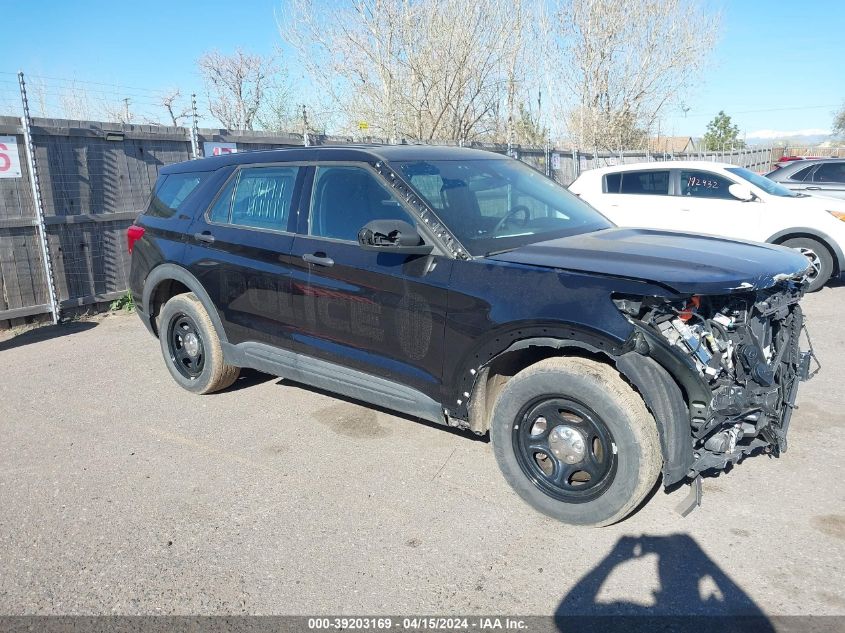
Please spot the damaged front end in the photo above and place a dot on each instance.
(744, 352)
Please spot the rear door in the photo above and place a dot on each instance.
(637, 198)
(828, 179)
(239, 249)
(381, 313)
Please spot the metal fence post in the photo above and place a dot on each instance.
(36, 200)
(195, 140)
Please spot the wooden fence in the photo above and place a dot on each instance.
(96, 177)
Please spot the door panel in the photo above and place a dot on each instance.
(382, 313)
(240, 252)
(704, 205)
(828, 180)
(638, 198)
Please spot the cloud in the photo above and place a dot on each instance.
(813, 131)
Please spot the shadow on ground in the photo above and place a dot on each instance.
(690, 591)
(46, 333)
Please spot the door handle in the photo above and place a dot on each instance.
(320, 259)
(815, 188)
(205, 236)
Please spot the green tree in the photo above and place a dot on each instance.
(722, 134)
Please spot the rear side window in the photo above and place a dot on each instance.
(830, 172)
(258, 197)
(171, 191)
(801, 174)
(654, 183)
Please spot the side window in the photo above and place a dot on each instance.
(220, 211)
(170, 192)
(830, 172)
(612, 183)
(258, 197)
(345, 199)
(801, 174)
(705, 184)
(654, 183)
(263, 197)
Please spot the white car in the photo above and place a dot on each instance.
(720, 199)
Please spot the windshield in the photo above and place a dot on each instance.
(769, 186)
(495, 205)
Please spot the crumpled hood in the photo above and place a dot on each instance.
(686, 262)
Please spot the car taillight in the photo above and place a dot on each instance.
(133, 234)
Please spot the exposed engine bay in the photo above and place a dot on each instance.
(746, 347)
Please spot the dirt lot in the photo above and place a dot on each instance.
(121, 493)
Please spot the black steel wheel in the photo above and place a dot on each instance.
(191, 346)
(185, 345)
(565, 449)
(575, 441)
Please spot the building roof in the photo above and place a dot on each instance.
(671, 144)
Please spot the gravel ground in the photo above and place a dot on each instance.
(121, 493)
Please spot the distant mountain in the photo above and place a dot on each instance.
(797, 138)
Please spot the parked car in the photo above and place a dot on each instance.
(824, 176)
(721, 199)
(465, 288)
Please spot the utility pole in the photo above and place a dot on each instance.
(305, 140)
(35, 184)
(127, 116)
(195, 141)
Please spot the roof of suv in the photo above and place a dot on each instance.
(797, 165)
(387, 153)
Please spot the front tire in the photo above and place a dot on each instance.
(819, 257)
(191, 347)
(575, 441)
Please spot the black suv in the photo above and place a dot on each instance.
(465, 288)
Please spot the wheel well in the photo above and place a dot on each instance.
(494, 376)
(163, 292)
(815, 238)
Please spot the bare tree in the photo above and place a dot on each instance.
(237, 85)
(839, 122)
(170, 101)
(424, 70)
(621, 63)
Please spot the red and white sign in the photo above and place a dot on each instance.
(218, 149)
(10, 164)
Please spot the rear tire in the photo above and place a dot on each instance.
(191, 347)
(819, 257)
(601, 455)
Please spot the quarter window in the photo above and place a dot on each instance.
(655, 183)
(801, 174)
(705, 184)
(347, 198)
(171, 191)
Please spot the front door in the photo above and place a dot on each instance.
(705, 205)
(380, 313)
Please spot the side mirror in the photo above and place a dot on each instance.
(741, 192)
(392, 236)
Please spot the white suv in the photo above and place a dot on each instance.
(720, 199)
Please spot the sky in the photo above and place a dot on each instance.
(776, 69)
